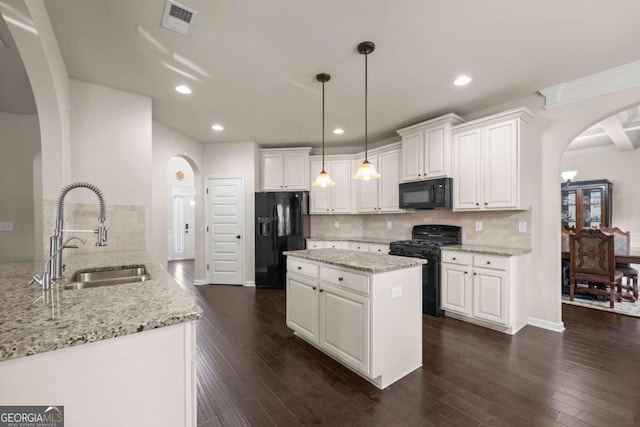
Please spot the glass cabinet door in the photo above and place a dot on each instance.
(569, 210)
(592, 208)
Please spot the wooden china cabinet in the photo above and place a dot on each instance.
(586, 204)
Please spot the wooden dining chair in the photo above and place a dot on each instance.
(592, 266)
(622, 245)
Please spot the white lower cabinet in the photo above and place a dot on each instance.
(484, 289)
(370, 322)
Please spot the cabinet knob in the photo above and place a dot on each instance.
(340, 279)
(379, 250)
(475, 274)
(465, 272)
(477, 204)
(419, 175)
(485, 203)
(488, 262)
(314, 288)
(299, 268)
(327, 210)
(454, 258)
(321, 290)
(333, 209)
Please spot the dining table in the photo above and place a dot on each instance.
(632, 256)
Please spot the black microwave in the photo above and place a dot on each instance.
(427, 194)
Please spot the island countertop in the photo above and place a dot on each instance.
(357, 260)
(487, 250)
(86, 315)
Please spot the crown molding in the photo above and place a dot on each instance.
(612, 80)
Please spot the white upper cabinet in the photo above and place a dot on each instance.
(426, 148)
(381, 195)
(491, 163)
(285, 169)
(336, 199)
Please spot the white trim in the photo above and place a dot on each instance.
(199, 282)
(615, 79)
(250, 283)
(544, 324)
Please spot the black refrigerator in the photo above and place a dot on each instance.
(282, 224)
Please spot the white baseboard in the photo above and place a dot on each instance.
(250, 283)
(198, 282)
(544, 324)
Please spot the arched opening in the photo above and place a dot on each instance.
(604, 158)
(181, 209)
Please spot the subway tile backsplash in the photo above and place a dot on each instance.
(499, 228)
(125, 226)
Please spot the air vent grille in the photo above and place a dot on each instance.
(179, 18)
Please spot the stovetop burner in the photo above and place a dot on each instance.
(427, 240)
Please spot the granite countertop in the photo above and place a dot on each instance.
(487, 250)
(358, 260)
(355, 239)
(86, 315)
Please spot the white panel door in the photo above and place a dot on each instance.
(320, 197)
(345, 326)
(296, 172)
(436, 153)
(272, 172)
(390, 165)
(189, 206)
(489, 295)
(225, 226)
(302, 306)
(367, 191)
(412, 164)
(467, 170)
(456, 292)
(341, 192)
(500, 165)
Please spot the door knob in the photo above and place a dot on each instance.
(238, 236)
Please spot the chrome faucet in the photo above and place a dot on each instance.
(44, 279)
(56, 244)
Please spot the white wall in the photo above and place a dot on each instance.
(20, 143)
(111, 146)
(237, 159)
(622, 169)
(168, 143)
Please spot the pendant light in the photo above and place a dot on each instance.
(366, 171)
(323, 179)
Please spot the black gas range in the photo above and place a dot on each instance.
(425, 243)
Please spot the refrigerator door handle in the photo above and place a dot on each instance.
(274, 218)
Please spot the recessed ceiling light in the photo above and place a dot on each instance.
(217, 127)
(338, 131)
(183, 89)
(462, 80)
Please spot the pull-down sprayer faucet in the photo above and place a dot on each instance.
(56, 244)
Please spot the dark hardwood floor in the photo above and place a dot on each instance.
(253, 371)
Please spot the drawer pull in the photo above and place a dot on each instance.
(340, 279)
(314, 288)
(465, 272)
(488, 262)
(454, 258)
(321, 290)
(299, 268)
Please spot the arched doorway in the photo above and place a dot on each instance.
(181, 208)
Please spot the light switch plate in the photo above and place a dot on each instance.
(336, 224)
(396, 292)
(389, 225)
(6, 226)
(522, 226)
(478, 225)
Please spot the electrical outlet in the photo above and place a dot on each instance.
(6, 226)
(522, 226)
(396, 292)
(336, 224)
(389, 224)
(478, 225)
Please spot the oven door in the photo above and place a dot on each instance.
(431, 286)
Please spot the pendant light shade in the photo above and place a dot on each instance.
(323, 179)
(366, 171)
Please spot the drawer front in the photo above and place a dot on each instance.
(456, 257)
(334, 244)
(358, 246)
(346, 279)
(378, 249)
(315, 244)
(491, 261)
(301, 267)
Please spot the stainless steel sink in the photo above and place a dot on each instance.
(108, 276)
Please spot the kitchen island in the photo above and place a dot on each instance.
(111, 355)
(363, 309)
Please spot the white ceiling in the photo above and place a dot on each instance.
(252, 63)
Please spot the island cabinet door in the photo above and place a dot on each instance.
(456, 289)
(302, 306)
(345, 327)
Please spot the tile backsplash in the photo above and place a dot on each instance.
(125, 226)
(499, 228)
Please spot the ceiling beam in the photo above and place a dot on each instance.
(614, 129)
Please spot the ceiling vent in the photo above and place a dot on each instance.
(178, 18)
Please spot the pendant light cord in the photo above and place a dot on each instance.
(366, 73)
(323, 126)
